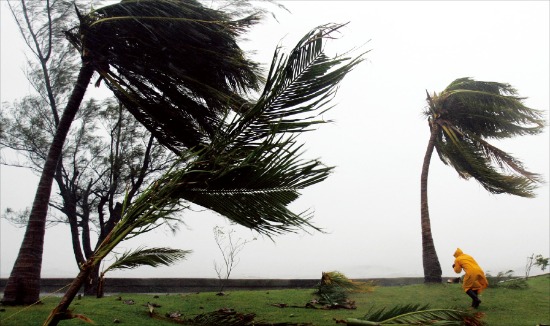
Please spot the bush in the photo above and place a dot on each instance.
(506, 280)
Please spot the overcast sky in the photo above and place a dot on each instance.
(370, 206)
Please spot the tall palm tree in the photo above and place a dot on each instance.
(174, 64)
(253, 169)
(462, 118)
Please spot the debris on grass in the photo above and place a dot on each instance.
(334, 288)
(413, 314)
(224, 316)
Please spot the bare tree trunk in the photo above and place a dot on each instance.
(101, 287)
(92, 282)
(432, 268)
(23, 286)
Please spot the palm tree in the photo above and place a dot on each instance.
(252, 169)
(161, 58)
(461, 119)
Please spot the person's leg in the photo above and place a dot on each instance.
(475, 300)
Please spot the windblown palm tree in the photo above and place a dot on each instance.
(252, 169)
(178, 69)
(462, 118)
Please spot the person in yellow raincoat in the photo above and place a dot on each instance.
(474, 279)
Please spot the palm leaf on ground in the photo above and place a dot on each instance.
(419, 315)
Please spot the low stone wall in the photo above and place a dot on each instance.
(189, 285)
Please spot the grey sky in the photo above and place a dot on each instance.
(370, 206)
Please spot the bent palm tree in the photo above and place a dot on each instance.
(252, 170)
(177, 67)
(461, 119)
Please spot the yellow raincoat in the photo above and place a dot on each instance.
(475, 277)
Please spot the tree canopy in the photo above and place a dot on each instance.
(470, 113)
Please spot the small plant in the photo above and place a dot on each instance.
(506, 280)
(230, 249)
(537, 260)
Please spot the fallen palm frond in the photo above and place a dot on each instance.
(417, 315)
(225, 317)
(336, 278)
(384, 313)
(334, 287)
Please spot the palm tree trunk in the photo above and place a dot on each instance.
(432, 268)
(60, 312)
(23, 286)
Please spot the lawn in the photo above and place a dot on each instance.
(501, 306)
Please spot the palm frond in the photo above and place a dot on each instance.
(298, 90)
(418, 315)
(338, 279)
(153, 257)
(384, 313)
(253, 192)
(436, 317)
(253, 168)
(255, 151)
(468, 112)
(472, 161)
(488, 109)
(161, 58)
(335, 287)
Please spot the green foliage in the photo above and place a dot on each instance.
(335, 287)
(384, 313)
(468, 113)
(506, 280)
(153, 257)
(541, 262)
(537, 260)
(175, 83)
(416, 314)
(411, 314)
(253, 169)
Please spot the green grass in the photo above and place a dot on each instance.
(501, 306)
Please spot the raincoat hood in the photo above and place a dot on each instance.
(458, 252)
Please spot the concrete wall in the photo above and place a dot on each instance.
(189, 285)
